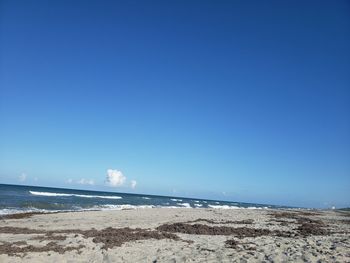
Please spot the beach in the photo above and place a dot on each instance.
(174, 131)
(177, 235)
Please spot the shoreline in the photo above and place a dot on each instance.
(176, 235)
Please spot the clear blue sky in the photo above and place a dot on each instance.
(235, 100)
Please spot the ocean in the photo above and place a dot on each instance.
(19, 198)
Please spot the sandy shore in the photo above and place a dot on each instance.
(177, 235)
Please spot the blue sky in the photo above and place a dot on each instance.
(234, 100)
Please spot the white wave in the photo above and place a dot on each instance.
(198, 205)
(217, 203)
(196, 201)
(176, 200)
(187, 205)
(48, 194)
(224, 207)
(147, 198)
(76, 195)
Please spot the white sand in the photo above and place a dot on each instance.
(205, 248)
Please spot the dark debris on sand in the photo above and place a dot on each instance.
(20, 230)
(200, 229)
(308, 229)
(13, 249)
(306, 226)
(109, 237)
(20, 215)
(231, 243)
(50, 236)
(243, 222)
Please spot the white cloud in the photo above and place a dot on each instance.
(35, 179)
(115, 178)
(86, 181)
(133, 184)
(69, 181)
(22, 177)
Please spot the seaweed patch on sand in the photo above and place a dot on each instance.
(231, 243)
(243, 222)
(21, 215)
(16, 248)
(201, 229)
(109, 237)
(306, 226)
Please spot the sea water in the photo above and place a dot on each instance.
(19, 198)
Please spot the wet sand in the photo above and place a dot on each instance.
(177, 235)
